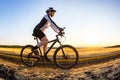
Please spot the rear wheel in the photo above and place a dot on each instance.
(28, 57)
(66, 57)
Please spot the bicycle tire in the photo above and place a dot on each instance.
(26, 56)
(68, 50)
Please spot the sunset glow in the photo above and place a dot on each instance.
(92, 41)
(87, 22)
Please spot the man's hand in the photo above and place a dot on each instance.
(61, 29)
(61, 33)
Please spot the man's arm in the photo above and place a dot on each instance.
(53, 25)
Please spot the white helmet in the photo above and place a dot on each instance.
(50, 10)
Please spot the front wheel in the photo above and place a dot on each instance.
(28, 57)
(66, 57)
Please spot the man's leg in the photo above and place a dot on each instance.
(45, 48)
(44, 42)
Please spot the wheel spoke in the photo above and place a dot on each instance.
(28, 57)
(66, 57)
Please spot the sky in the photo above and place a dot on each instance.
(88, 23)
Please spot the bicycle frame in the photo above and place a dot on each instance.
(54, 42)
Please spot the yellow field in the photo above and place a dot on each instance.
(15, 50)
(93, 51)
(81, 51)
(18, 50)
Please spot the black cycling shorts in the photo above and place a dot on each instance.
(38, 33)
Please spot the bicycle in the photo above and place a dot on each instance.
(65, 56)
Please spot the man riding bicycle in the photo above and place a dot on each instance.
(40, 28)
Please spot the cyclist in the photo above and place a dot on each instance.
(40, 28)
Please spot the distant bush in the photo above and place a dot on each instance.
(10, 46)
(113, 46)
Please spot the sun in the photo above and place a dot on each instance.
(92, 41)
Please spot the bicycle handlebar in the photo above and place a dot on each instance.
(61, 32)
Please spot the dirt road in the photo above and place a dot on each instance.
(92, 68)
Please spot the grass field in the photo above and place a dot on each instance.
(45, 71)
(85, 54)
(81, 51)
